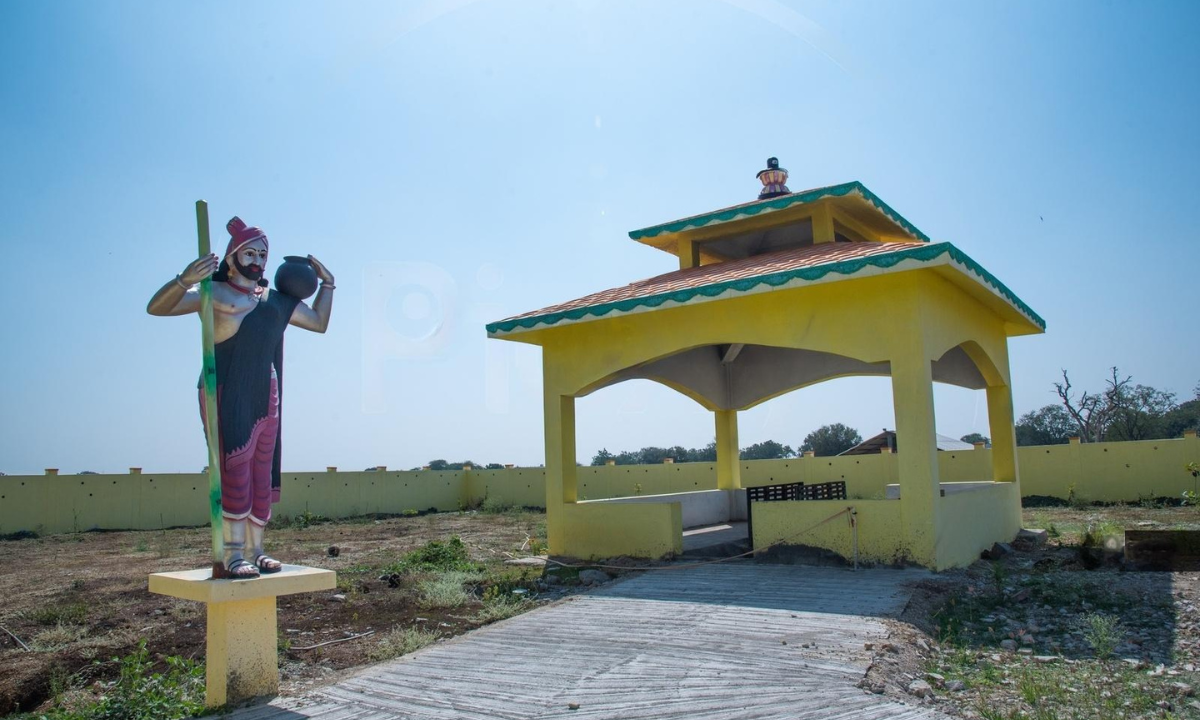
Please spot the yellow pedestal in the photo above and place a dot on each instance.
(242, 661)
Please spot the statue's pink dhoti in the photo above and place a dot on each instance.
(247, 471)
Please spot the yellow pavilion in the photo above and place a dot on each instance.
(770, 296)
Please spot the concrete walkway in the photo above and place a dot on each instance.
(730, 641)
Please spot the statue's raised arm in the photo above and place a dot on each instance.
(179, 295)
(316, 318)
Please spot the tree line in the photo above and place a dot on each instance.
(824, 441)
(1121, 410)
(445, 465)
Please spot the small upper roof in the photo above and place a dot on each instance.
(778, 242)
(852, 198)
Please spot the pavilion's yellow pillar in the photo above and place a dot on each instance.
(561, 479)
(1004, 444)
(729, 467)
(916, 453)
(1004, 433)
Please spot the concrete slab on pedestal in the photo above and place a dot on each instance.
(198, 584)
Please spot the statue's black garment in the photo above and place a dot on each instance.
(244, 366)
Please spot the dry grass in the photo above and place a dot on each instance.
(445, 589)
(494, 611)
(59, 636)
(401, 641)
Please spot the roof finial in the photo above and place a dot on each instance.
(773, 179)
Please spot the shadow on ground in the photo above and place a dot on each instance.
(1050, 604)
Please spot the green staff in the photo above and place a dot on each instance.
(210, 400)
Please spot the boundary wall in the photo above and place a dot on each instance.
(1104, 472)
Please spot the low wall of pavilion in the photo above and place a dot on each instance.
(1098, 472)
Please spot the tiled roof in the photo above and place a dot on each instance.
(803, 264)
(765, 206)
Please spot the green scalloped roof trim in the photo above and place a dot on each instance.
(780, 203)
(845, 267)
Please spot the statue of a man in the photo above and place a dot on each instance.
(248, 325)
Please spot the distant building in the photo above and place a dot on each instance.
(887, 439)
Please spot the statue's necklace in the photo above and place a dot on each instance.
(255, 293)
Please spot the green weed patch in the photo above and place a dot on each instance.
(139, 694)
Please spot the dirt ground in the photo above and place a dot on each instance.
(79, 600)
(75, 599)
(1023, 636)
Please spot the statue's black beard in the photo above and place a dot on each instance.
(250, 272)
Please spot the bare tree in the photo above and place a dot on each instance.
(1123, 411)
(1137, 411)
(1090, 412)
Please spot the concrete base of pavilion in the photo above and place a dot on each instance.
(241, 657)
(970, 517)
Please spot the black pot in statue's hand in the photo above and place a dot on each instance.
(296, 277)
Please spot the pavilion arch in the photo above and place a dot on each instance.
(987, 367)
(641, 354)
(994, 372)
(737, 376)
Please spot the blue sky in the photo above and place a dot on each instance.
(455, 163)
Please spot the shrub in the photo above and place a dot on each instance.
(445, 590)
(1102, 631)
(999, 575)
(304, 520)
(138, 694)
(494, 506)
(1105, 534)
(435, 555)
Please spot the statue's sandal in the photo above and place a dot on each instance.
(268, 564)
(237, 569)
